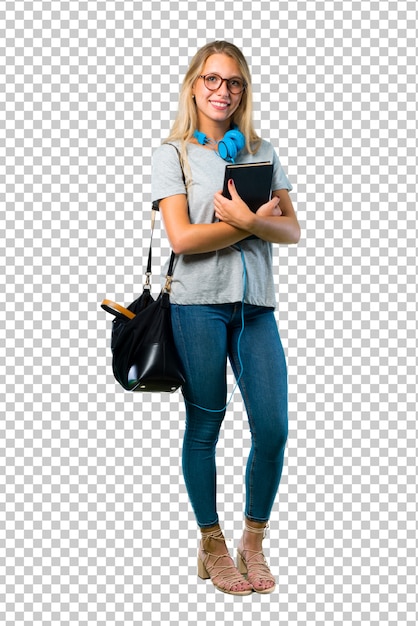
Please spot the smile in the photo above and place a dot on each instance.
(219, 105)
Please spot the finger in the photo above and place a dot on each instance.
(232, 189)
(274, 202)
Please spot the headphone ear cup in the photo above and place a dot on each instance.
(227, 149)
(237, 137)
(231, 144)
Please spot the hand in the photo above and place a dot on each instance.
(235, 211)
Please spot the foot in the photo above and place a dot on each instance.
(250, 551)
(217, 564)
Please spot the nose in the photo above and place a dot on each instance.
(223, 87)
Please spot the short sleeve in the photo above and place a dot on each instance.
(280, 180)
(166, 176)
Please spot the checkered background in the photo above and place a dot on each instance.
(95, 525)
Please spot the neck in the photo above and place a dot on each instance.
(215, 131)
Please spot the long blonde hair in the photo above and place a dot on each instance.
(186, 121)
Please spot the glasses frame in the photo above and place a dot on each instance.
(224, 80)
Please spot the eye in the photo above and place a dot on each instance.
(235, 82)
(212, 78)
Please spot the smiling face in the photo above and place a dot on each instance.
(215, 108)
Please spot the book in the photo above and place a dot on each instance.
(252, 182)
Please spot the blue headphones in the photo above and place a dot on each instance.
(229, 146)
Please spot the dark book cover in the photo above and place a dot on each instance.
(252, 182)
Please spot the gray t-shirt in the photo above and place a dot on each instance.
(216, 277)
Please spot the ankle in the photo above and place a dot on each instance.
(213, 541)
(253, 535)
(255, 527)
(210, 530)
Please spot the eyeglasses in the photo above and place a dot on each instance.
(214, 81)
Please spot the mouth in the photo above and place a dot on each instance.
(219, 105)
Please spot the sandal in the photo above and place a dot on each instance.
(225, 578)
(255, 564)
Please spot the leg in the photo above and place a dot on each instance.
(200, 335)
(264, 389)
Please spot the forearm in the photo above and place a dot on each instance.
(201, 238)
(275, 229)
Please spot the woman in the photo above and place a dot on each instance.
(223, 303)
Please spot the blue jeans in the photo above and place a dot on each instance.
(206, 335)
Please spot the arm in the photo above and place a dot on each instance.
(187, 238)
(283, 228)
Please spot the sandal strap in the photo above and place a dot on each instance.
(215, 534)
(257, 531)
(249, 560)
(221, 577)
(256, 569)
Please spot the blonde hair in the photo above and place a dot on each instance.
(185, 123)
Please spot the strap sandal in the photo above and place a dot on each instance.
(253, 564)
(220, 569)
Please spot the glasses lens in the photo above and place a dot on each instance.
(213, 81)
(235, 85)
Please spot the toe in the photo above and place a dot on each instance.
(263, 584)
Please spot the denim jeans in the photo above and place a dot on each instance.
(206, 336)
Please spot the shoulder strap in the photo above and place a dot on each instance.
(155, 209)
